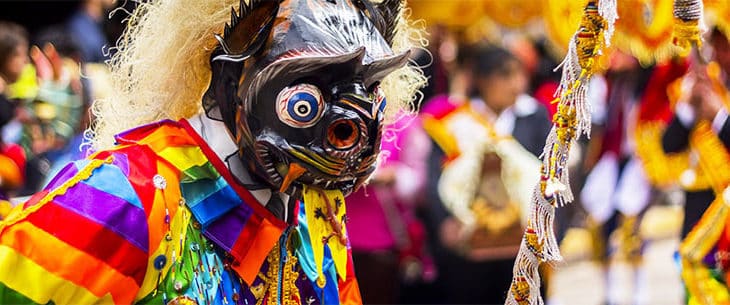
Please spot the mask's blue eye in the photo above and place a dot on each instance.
(300, 106)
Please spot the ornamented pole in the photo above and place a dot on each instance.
(572, 119)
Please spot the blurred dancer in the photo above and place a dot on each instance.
(695, 103)
(701, 126)
(615, 187)
(616, 190)
(491, 142)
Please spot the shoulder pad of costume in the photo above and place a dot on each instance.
(134, 135)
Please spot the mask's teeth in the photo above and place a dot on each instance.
(295, 171)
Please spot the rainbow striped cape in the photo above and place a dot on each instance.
(158, 219)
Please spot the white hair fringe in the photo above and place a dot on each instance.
(161, 67)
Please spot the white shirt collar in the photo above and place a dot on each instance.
(504, 123)
(219, 140)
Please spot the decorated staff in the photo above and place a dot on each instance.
(572, 119)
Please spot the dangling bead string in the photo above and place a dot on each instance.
(572, 119)
(609, 12)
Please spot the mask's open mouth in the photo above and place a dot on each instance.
(292, 166)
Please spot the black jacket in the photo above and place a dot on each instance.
(676, 139)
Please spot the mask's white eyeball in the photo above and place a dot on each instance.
(300, 106)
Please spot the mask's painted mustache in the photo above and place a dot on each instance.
(350, 99)
(327, 171)
(321, 163)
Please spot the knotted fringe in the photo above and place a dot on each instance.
(573, 118)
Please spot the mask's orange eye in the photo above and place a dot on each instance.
(343, 134)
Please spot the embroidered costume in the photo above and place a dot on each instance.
(189, 233)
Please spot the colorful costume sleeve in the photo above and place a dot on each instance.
(91, 216)
(154, 220)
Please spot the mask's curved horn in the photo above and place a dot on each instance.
(243, 37)
(385, 16)
(248, 30)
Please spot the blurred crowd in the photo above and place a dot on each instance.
(48, 81)
(442, 219)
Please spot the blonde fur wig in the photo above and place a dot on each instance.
(161, 68)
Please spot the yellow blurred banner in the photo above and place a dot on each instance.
(644, 28)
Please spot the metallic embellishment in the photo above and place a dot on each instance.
(279, 282)
(177, 286)
(183, 300)
(321, 281)
(159, 182)
(160, 262)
